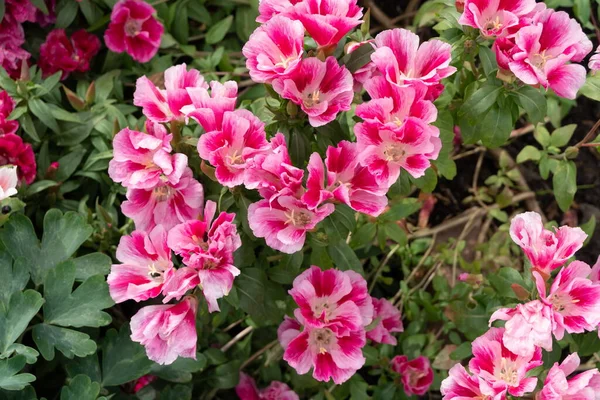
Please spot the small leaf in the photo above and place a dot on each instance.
(561, 136)
(42, 111)
(359, 57)
(66, 11)
(533, 102)
(591, 88)
(564, 184)
(528, 153)
(81, 387)
(68, 341)
(488, 60)
(14, 319)
(90, 265)
(9, 377)
(217, 32)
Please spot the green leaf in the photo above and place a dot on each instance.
(533, 102)
(180, 29)
(68, 164)
(104, 85)
(480, 101)
(90, 265)
(42, 111)
(176, 392)
(564, 184)
(122, 359)
(589, 227)
(14, 279)
(217, 32)
(181, 370)
(541, 135)
(40, 5)
(9, 379)
(427, 182)
(502, 281)
(528, 153)
(80, 308)
(591, 89)
(14, 319)
(497, 126)
(364, 236)
(287, 269)
(488, 60)
(69, 342)
(2, 10)
(585, 344)
(39, 186)
(245, 22)
(66, 11)
(226, 376)
(582, 9)
(463, 351)
(81, 387)
(28, 126)
(358, 58)
(561, 136)
(344, 257)
(257, 295)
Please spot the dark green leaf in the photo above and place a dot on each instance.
(122, 359)
(488, 60)
(176, 392)
(564, 184)
(10, 379)
(180, 29)
(68, 341)
(359, 58)
(287, 269)
(583, 10)
(13, 279)
(497, 126)
(480, 101)
(42, 111)
(463, 351)
(66, 11)
(503, 279)
(245, 22)
(533, 102)
(14, 319)
(344, 257)
(90, 265)
(217, 32)
(226, 376)
(40, 5)
(69, 163)
(80, 388)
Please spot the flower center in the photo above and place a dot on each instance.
(493, 25)
(297, 218)
(320, 308)
(200, 242)
(561, 302)
(394, 152)
(284, 62)
(235, 158)
(540, 59)
(321, 339)
(133, 27)
(155, 273)
(312, 99)
(162, 193)
(398, 121)
(508, 372)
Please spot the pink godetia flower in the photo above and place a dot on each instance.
(142, 382)
(330, 355)
(321, 88)
(384, 151)
(167, 331)
(345, 180)
(389, 320)
(402, 61)
(505, 49)
(338, 300)
(143, 160)
(61, 53)
(501, 368)
(546, 250)
(274, 49)
(21, 10)
(416, 375)
(208, 108)
(164, 105)
(13, 151)
(246, 390)
(166, 204)
(7, 105)
(272, 172)
(134, 29)
(8, 181)
(460, 385)
(327, 21)
(583, 386)
(229, 149)
(268, 9)
(145, 262)
(573, 298)
(284, 221)
(528, 327)
(544, 49)
(207, 249)
(12, 38)
(494, 18)
(594, 63)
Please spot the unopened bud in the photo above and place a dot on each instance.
(208, 171)
(572, 152)
(51, 171)
(460, 5)
(25, 71)
(90, 95)
(521, 293)
(292, 109)
(76, 102)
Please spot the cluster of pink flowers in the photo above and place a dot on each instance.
(536, 44)
(12, 35)
(502, 357)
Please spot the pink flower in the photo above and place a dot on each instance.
(134, 29)
(573, 298)
(461, 386)
(274, 49)
(145, 262)
(384, 152)
(8, 181)
(546, 250)
(12, 38)
(545, 48)
(166, 204)
(247, 390)
(164, 105)
(207, 248)
(327, 21)
(14, 152)
(505, 49)
(366, 72)
(229, 149)
(389, 321)
(499, 367)
(321, 89)
(59, 53)
(167, 331)
(21, 10)
(334, 299)
(208, 108)
(494, 18)
(583, 386)
(7, 105)
(594, 63)
(284, 221)
(528, 327)
(329, 354)
(271, 8)
(143, 160)
(417, 374)
(143, 382)
(402, 61)
(49, 19)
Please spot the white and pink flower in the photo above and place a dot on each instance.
(594, 63)
(389, 321)
(495, 18)
(9, 180)
(583, 386)
(208, 108)
(247, 390)
(460, 385)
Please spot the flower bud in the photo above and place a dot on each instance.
(460, 5)
(76, 102)
(90, 95)
(571, 152)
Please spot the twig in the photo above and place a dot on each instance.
(462, 236)
(379, 15)
(237, 338)
(259, 353)
(233, 325)
(469, 153)
(383, 263)
(474, 185)
(589, 135)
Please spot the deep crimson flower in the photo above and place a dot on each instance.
(59, 53)
(7, 105)
(13, 151)
(12, 38)
(21, 10)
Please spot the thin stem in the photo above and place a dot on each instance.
(259, 353)
(589, 135)
(383, 263)
(237, 338)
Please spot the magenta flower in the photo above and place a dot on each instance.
(384, 152)
(501, 368)
(573, 298)
(247, 390)
(166, 204)
(459, 385)
(61, 53)
(12, 38)
(417, 374)
(8, 181)
(528, 327)
(321, 89)
(494, 18)
(145, 261)
(583, 386)
(13, 151)
(544, 50)
(21, 10)
(143, 160)
(167, 331)
(284, 221)
(7, 105)
(546, 250)
(268, 9)
(274, 49)
(390, 321)
(402, 61)
(134, 29)
(594, 63)
(327, 21)
(334, 299)
(164, 105)
(229, 149)
(208, 108)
